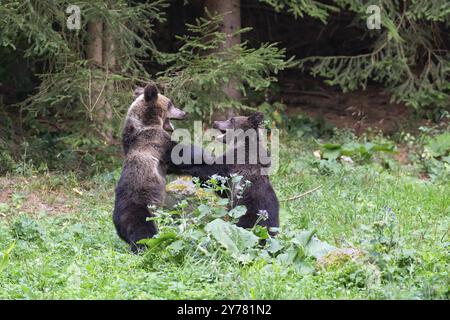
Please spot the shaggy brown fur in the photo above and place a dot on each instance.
(259, 197)
(143, 179)
(149, 110)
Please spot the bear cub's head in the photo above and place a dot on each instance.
(241, 123)
(152, 108)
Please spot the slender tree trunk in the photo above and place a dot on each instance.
(109, 62)
(231, 23)
(109, 59)
(94, 50)
(100, 109)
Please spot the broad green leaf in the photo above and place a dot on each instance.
(439, 145)
(219, 212)
(159, 240)
(234, 239)
(317, 248)
(304, 266)
(331, 154)
(303, 237)
(261, 232)
(176, 246)
(296, 257)
(203, 210)
(274, 245)
(237, 212)
(223, 202)
(5, 258)
(330, 146)
(384, 147)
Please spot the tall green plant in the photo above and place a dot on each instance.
(300, 8)
(409, 56)
(197, 72)
(37, 30)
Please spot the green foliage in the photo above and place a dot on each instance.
(438, 146)
(198, 73)
(389, 253)
(304, 126)
(301, 251)
(435, 158)
(429, 152)
(300, 8)
(210, 230)
(58, 116)
(27, 229)
(42, 24)
(6, 161)
(234, 239)
(66, 84)
(78, 255)
(407, 55)
(5, 257)
(274, 114)
(332, 151)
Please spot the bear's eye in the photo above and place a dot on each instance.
(232, 120)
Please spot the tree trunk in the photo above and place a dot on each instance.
(100, 109)
(109, 62)
(231, 9)
(109, 59)
(94, 50)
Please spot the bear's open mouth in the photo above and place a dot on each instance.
(222, 127)
(221, 137)
(168, 126)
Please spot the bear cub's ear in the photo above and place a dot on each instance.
(137, 92)
(150, 92)
(256, 118)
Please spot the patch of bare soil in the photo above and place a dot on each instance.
(32, 200)
(7, 186)
(402, 155)
(359, 110)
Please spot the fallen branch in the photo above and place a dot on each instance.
(303, 194)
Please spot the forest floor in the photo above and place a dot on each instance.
(63, 244)
(359, 110)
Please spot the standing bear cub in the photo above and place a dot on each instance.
(147, 146)
(249, 159)
(246, 156)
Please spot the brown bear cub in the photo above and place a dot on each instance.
(259, 197)
(142, 183)
(142, 115)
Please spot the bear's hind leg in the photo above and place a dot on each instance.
(143, 231)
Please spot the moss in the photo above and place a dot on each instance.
(339, 257)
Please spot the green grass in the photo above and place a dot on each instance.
(73, 252)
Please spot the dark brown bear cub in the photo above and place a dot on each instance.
(259, 197)
(143, 179)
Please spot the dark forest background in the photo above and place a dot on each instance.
(64, 93)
